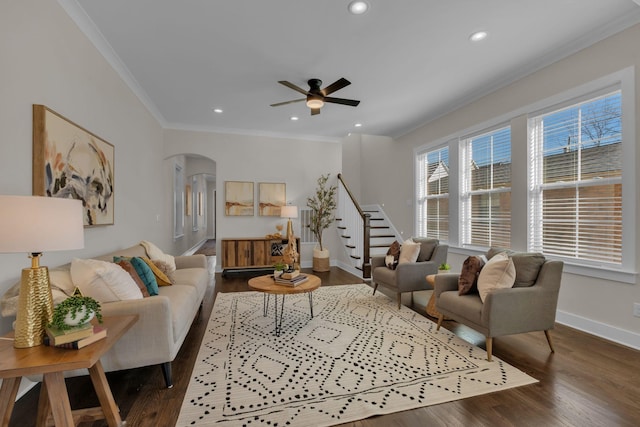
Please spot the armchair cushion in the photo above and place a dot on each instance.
(527, 265)
(427, 246)
(499, 272)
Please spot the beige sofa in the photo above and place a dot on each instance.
(164, 320)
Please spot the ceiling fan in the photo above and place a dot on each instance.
(316, 97)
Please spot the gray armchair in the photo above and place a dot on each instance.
(410, 277)
(528, 306)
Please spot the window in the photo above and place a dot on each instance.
(433, 194)
(576, 181)
(485, 200)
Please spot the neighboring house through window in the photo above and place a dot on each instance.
(433, 194)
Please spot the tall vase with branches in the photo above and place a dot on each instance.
(322, 205)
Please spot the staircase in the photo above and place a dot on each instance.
(365, 231)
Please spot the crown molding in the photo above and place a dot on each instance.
(90, 30)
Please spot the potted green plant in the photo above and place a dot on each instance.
(75, 311)
(279, 268)
(322, 205)
(444, 268)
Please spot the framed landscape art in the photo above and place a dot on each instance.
(71, 162)
(272, 198)
(238, 198)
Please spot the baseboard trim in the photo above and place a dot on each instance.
(602, 330)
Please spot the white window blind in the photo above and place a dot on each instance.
(485, 218)
(576, 181)
(433, 194)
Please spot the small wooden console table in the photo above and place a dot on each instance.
(51, 362)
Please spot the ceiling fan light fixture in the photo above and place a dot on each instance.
(358, 7)
(314, 102)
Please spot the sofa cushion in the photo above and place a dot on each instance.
(427, 246)
(499, 272)
(128, 267)
(183, 298)
(103, 281)
(409, 251)
(468, 280)
(144, 271)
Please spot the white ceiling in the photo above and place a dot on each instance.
(409, 61)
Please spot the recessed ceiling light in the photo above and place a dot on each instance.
(294, 118)
(358, 125)
(478, 36)
(217, 110)
(358, 7)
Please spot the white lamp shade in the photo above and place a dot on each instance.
(40, 224)
(289, 211)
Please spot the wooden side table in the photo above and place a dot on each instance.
(268, 286)
(51, 362)
(431, 305)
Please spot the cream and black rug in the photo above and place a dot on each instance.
(359, 356)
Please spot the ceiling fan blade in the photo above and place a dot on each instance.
(337, 85)
(315, 111)
(294, 87)
(287, 102)
(351, 102)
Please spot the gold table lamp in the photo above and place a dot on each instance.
(34, 224)
(290, 254)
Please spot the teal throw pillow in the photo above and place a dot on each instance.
(144, 271)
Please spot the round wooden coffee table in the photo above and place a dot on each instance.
(268, 286)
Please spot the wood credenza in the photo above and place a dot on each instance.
(245, 253)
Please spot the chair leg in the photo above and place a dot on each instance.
(440, 319)
(489, 347)
(547, 333)
(399, 300)
(374, 288)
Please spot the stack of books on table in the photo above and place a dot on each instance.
(75, 338)
(293, 278)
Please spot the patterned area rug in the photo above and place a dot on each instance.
(359, 356)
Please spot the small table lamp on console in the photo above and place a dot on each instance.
(34, 224)
(290, 253)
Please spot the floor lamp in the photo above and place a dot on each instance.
(34, 225)
(290, 252)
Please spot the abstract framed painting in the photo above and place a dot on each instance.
(272, 197)
(71, 162)
(238, 198)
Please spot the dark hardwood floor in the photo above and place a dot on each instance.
(587, 382)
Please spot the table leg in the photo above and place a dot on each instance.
(8, 393)
(58, 399)
(265, 304)
(311, 303)
(278, 319)
(108, 404)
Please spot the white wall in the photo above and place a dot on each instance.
(47, 60)
(258, 159)
(600, 306)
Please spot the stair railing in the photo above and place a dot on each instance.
(358, 226)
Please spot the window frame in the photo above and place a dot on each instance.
(466, 193)
(422, 197)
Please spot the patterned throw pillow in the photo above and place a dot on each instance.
(165, 268)
(468, 280)
(143, 270)
(161, 278)
(128, 267)
(393, 254)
